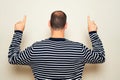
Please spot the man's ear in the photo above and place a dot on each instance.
(66, 25)
(49, 25)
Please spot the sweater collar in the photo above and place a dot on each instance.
(57, 39)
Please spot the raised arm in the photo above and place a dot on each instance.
(95, 55)
(15, 56)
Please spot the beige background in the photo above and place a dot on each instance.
(106, 13)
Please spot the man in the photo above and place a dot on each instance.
(56, 58)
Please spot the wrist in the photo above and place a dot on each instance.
(18, 31)
(91, 32)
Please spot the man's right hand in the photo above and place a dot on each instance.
(91, 25)
(21, 24)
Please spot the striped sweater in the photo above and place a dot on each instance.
(56, 58)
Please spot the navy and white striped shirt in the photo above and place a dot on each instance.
(56, 58)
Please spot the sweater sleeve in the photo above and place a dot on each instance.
(15, 56)
(95, 55)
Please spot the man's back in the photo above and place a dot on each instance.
(57, 58)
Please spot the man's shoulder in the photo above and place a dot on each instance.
(40, 41)
(74, 42)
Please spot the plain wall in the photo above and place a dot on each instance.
(106, 13)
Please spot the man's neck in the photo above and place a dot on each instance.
(57, 34)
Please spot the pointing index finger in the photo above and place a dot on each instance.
(88, 18)
(24, 19)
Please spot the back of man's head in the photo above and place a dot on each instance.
(58, 20)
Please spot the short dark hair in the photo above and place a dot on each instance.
(58, 20)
